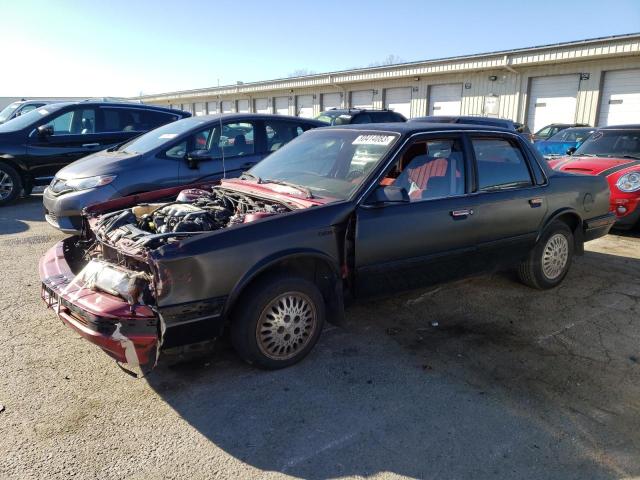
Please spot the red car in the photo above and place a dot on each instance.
(614, 153)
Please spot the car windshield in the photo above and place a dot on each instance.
(326, 163)
(571, 135)
(611, 143)
(29, 119)
(334, 118)
(8, 111)
(160, 136)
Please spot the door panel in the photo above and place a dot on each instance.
(47, 155)
(509, 207)
(406, 246)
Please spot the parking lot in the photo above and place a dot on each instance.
(482, 378)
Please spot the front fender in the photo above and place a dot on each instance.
(274, 259)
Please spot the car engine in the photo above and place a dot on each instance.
(191, 212)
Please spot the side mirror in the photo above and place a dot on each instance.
(194, 158)
(45, 130)
(384, 195)
(571, 150)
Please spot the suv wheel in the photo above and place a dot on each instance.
(278, 321)
(549, 261)
(10, 184)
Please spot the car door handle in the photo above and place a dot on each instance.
(89, 145)
(535, 202)
(248, 164)
(463, 212)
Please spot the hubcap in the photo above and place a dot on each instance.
(286, 325)
(6, 185)
(555, 256)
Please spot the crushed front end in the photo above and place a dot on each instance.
(103, 303)
(105, 284)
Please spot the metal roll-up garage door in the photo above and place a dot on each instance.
(212, 107)
(331, 100)
(282, 105)
(552, 100)
(227, 106)
(200, 109)
(304, 106)
(243, 106)
(445, 99)
(261, 105)
(362, 99)
(620, 102)
(398, 100)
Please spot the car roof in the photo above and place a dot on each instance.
(358, 110)
(260, 116)
(409, 128)
(99, 103)
(453, 118)
(635, 126)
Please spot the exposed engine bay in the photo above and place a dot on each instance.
(193, 211)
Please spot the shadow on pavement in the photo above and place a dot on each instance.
(483, 378)
(13, 217)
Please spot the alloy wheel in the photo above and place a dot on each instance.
(6, 185)
(286, 325)
(555, 256)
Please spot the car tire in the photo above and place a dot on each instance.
(548, 262)
(10, 184)
(278, 321)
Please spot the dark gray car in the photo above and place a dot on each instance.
(179, 153)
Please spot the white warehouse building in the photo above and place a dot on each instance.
(596, 82)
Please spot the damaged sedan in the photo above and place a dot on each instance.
(336, 215)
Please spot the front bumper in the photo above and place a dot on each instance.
(64, 212)
(130, 335)
(629, 219)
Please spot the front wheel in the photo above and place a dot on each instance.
(278, 321)
(549, 261)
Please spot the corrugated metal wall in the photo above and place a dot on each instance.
(507, 79)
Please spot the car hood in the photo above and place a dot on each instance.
(100, 163)
(590, 165)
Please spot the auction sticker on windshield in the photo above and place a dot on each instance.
(167, 136)
(373, 140)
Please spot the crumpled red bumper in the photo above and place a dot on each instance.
(108, 321)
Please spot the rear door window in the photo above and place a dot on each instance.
(500, 164)
(132, 120)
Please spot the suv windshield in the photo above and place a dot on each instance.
(160, 136)
(8, 111)
(611, 143)
(31, 118)
(327, 163)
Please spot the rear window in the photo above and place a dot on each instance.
(500, 164)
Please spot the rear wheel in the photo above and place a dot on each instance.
(549, 261)
(10, 184)
(278, 321)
